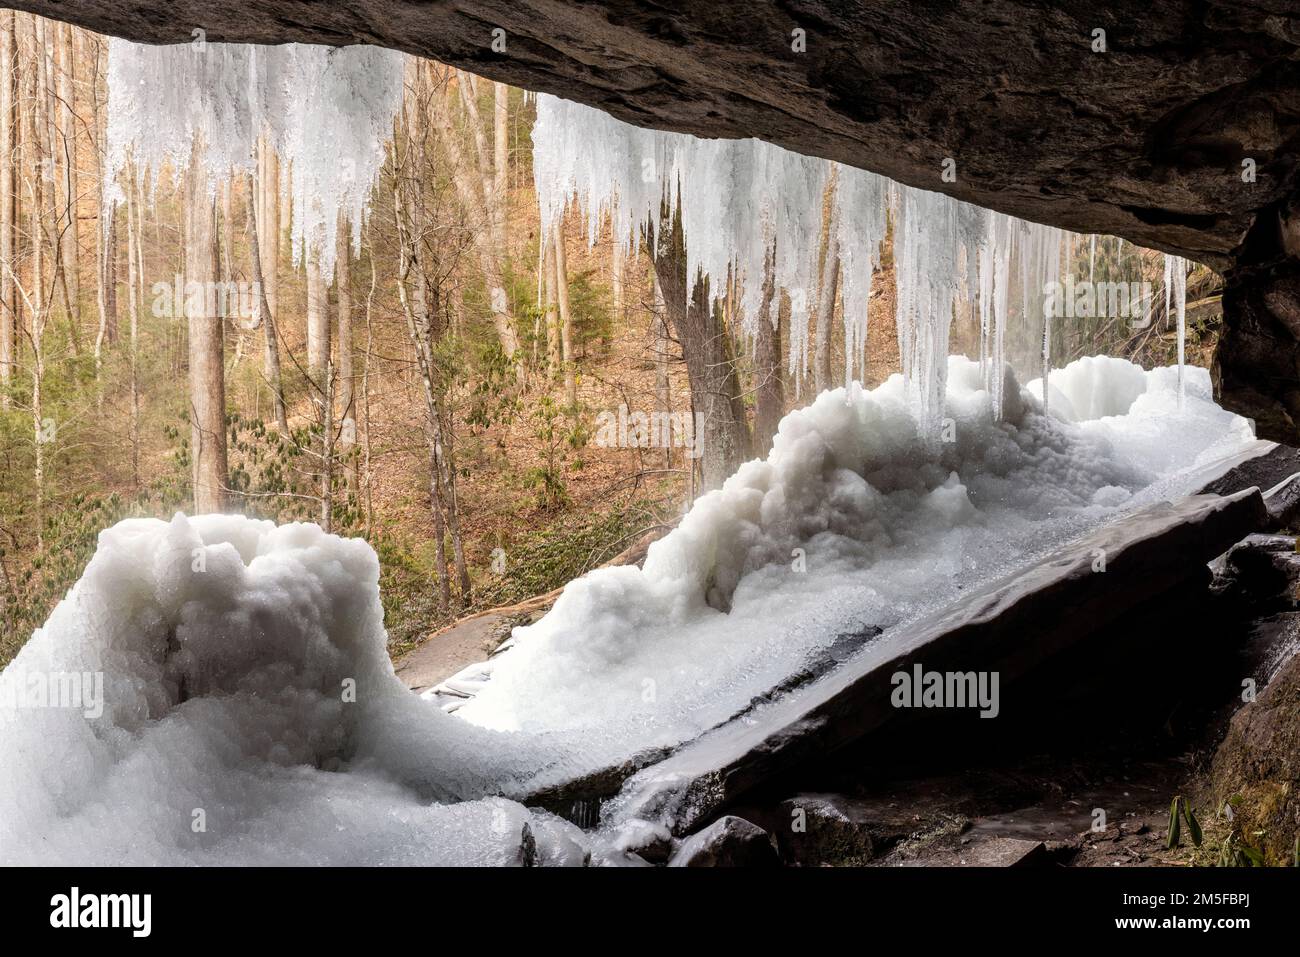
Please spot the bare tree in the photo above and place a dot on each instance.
(268, 222)
(662, 345)
(207, 347)
(617, 283)
(827, 289)
(710, 364)
(481, 200)
(70, 243)
(565, 319)
(8, 202)
(420, 289)
(318, 317)
(46, 108)
(133, 296)
(346, 374)
(106, 249)
(265, 312)
(554, 354)
(769, 383)
(36, 167)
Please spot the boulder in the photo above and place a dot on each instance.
(1256, 770)
(1062, 602)
(727, 842)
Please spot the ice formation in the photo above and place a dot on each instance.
(853, 520)
(737, 196)
(247, 712)
(328, 109)
(1176, 289)
(244, 708)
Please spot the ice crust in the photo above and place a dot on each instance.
(227, 644)
(886, 524)
(228, 648)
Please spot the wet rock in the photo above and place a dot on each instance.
(728, 842)
(528, 847)
(1257, 768)
(650, 842)
(1260, 566)
(1062, 601)
(820, 829)
(1005, 852)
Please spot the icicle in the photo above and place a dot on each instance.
(934, 234)
(1001, 234)
(1047, 354)
(861, 218)
(328, 110)
(1176, 289)
(1169, 274)
(738, 196)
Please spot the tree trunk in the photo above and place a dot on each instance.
(318, 320)
(133, 305)
(554, 355)
(565, 317)
(769, 384)
(35, 165)
(662, 344)
(38, 215)
(70, 242)
(206, 350)
(617, 294)
(47, 130)
(105, 299)
(228, 233)
(347, 410)
(8, 204)
(710, 365)
(269, 224)
(327, 448)
(827, 289)
(266, 314)
(501, 164)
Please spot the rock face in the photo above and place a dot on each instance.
(1173, 123)
(1144, 139)
(728, 842)
(1257, 364)
(1257, 769)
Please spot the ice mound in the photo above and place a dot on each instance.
(238, 706)
(217, 689)
(1093, 387)
(853, 520)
